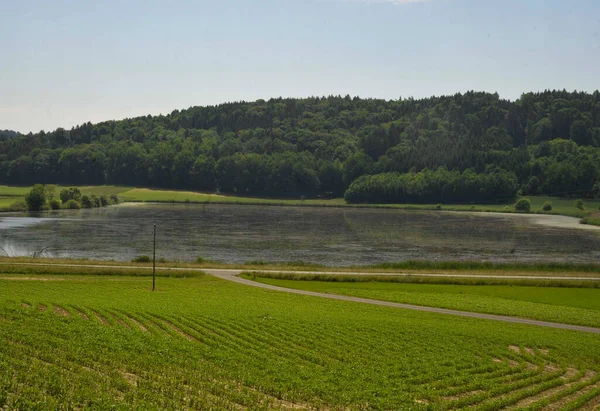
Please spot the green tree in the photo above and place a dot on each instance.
(204, 173)
(543, 130)
(87, 202)
(73, 205)
(36, 198)
(581, 133)
(71, 193)
(523, 205)
(54, 204)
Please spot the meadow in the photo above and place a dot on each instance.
(561, 205)
(99, 342)
(572, 303)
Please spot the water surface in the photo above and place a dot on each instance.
(331, 236)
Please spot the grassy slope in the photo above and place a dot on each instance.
(568, 305)
(254, 348)
(563, 206)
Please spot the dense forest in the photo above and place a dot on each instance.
(8, 134)
(460, 148)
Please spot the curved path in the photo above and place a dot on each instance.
(233, 275)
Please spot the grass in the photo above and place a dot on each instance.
(570, 305)
(12, 191)
(109, 342)
(9, 195)
(456, 278)
(172, 196)
(477, 266)
(413, 268)
(561, 206)
(6, 202)
(8, 269)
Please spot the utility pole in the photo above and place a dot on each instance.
(154, 261)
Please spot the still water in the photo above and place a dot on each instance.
(330, 236)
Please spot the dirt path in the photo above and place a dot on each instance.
(233, 275)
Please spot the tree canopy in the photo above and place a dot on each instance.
(542, 143)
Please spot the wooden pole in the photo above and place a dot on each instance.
(154, 261)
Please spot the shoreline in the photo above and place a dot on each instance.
(534, 218)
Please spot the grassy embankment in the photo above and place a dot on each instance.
(413, 270)
(200, 342)
(561, 206)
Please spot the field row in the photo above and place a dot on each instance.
(205, 343)
(516, 377)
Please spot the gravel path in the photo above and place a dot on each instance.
(232, 275)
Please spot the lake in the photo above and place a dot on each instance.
(330, 236)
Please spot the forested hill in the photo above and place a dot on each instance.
(447, 149)
(4, 134)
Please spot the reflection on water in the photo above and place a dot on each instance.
(331, 236)
(18, 222)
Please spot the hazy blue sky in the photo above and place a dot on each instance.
(66, 62)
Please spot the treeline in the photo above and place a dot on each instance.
(318, 146)
(429, 186)
(6, 134)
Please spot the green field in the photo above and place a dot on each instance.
(562, 206)
(109, 342)
(6, 202)
(579, 306)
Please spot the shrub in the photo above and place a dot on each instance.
(141, 259)
(523, 205)
(579, 204)
(18, 206)
(256, 262)
(86, 202)
(438, 206)
(95, 200)
(201, 260)
(54, 204)
(547, 206)
(71, 193)
(72, 205)
(50, 191)
(36, 198)
(103, 201)
(114, 198)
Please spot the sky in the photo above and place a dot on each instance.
(63, 63)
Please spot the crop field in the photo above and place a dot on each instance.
(570, 305)
(202, 343)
